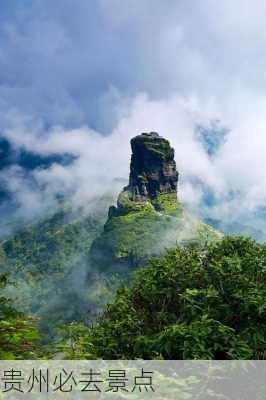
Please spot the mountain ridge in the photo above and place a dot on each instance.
(148, 217)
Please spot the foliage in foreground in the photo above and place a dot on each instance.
(190, 304)
(18, 333)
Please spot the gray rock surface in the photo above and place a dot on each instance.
(153, 168)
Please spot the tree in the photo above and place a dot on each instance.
(192, 303)
(18, 333)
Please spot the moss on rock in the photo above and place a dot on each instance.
(168, 203)
(136, 231)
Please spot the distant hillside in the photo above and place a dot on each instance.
(48, 262)
(66, 266)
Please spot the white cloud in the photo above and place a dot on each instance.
(132, 68)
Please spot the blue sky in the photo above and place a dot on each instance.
(70, 62)
(83, 77)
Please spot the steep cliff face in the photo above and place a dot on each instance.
(152, 168)
(148, 217)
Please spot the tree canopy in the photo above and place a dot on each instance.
(192, 303)
(18, 333)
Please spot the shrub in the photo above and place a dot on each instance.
(192, 303)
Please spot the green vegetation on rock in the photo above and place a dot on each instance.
(160, 149)
(168, 203)
(136, 231)
(149, 217)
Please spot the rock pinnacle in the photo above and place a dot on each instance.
(152, 168)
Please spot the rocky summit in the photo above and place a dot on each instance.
(148, 217)
(152, 168)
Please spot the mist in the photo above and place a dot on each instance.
(79, 80)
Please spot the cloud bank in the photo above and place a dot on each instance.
(84, 77)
